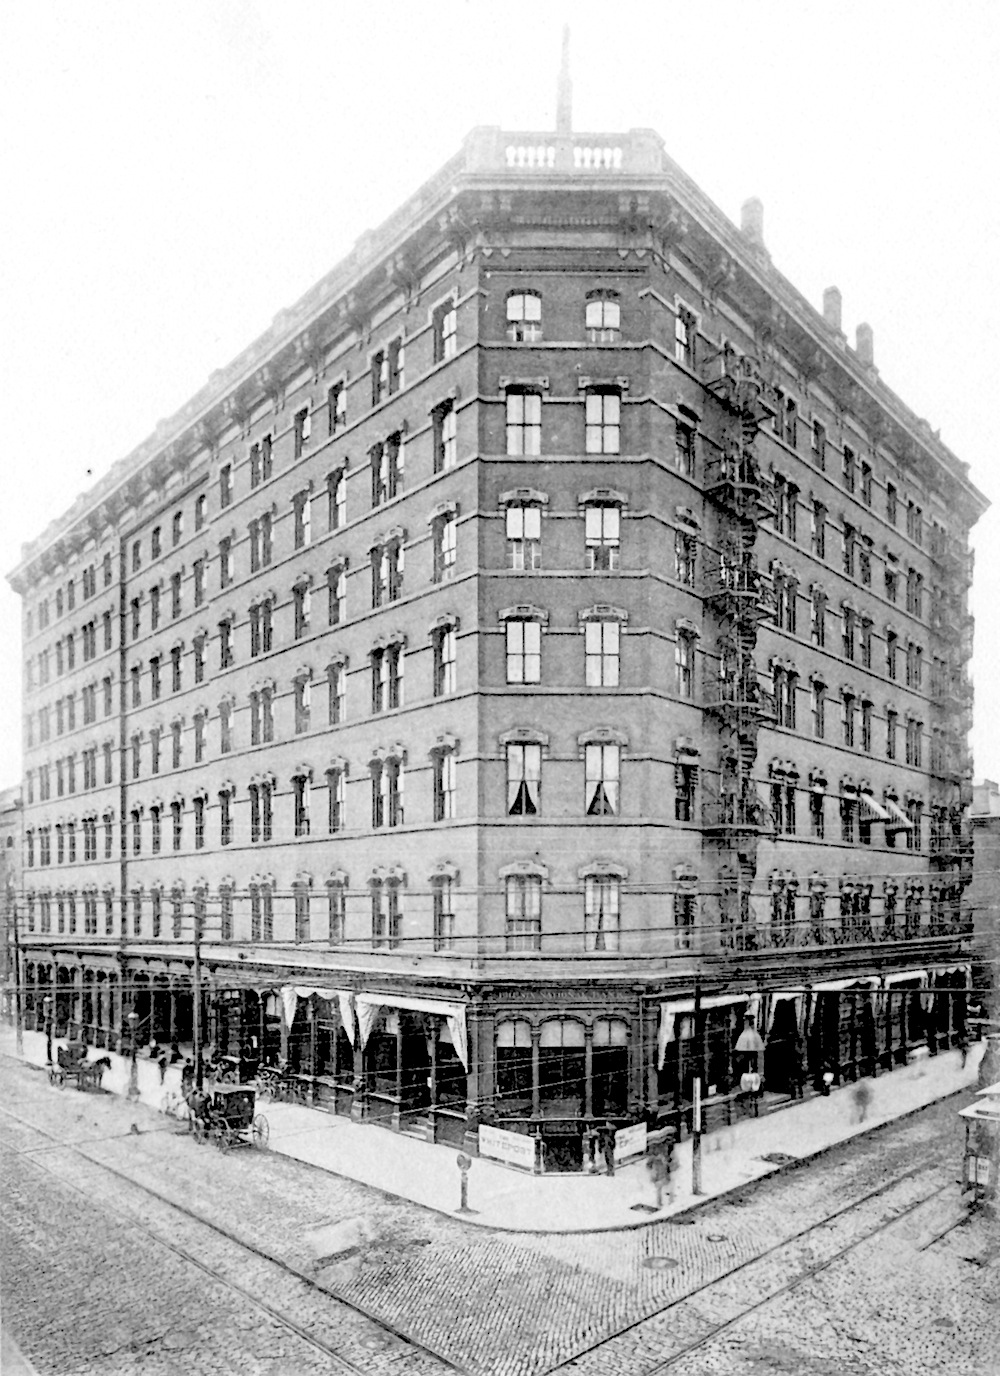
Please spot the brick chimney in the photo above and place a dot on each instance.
(865, 346)
(832, 303)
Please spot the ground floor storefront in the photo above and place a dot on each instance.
(557, 1063)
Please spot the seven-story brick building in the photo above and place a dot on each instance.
(545, 646)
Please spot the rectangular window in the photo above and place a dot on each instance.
(819, 444)
(200, 511)
(444, 785)
(445, 329)
(225, 485)
(524, 912)
(337, 680)
(155, 678)
(396, 354)
(891, 503)
(199, 582)
(524, 423)
(199, 737)
(445, 546)
(866, 727)
(300, 793)
(848, 818)
(850, 468)
(302, 429)
(848, 709)
(225, 727)
(685, 327)
(199, 823)
(336, 408)
(848, 538)
(445, 656)
(175, 595)
(225, 561)
(444, 913)
(524, 651)
(685, 790)
(337, 786)
(601, 912)
(379, 369)
(602, 653)
(302, 507)
(301, 604)
(336, 498)
(603, 422)
(819, 711)
(684, 448)
(602, 526)
(303, 704)
(684, 654)
(226, 657)
(444, 424)
(891, 723)
(524, 537)
(685, 557)
(891, 646)
(524, 779)
(603, 772)
(524, 317)
(819, 530)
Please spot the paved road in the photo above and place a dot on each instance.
(141, 1250)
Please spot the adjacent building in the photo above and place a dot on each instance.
(11, 847)
(544, 646)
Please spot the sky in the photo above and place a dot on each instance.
(175, 174)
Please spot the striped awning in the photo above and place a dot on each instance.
(899, 820)
(872, 811)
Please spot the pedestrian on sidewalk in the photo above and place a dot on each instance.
(608, 1147)
(162, 1063)
(962, 1042)
(862, 1099)
(187, 1077)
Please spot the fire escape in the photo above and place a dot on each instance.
(737, 597)
(952, 626)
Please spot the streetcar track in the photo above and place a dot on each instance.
(800, 1279)
(808, 1274)
(303, 1277)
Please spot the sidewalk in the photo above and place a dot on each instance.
(505, 1198)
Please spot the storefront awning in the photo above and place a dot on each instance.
(834, 986)
(368, 1006)
(669, 1011)
(919, 975)
(783, 996)
(291, 993)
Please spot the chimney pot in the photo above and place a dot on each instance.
(832, 302)
(865, 346)
(752, 220)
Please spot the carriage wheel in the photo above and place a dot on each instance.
(53, 1076)
(223, 1141)
(260, 1132)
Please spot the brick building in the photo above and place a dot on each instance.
(984, 894)
(549, 642)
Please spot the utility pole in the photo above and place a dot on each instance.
(199, 1072)
(699, 1040)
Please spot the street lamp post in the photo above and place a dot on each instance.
(133, 1071)
(47, 1011)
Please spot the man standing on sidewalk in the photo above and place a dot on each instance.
(608, 1147)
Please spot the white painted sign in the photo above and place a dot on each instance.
(513, 1147)
(630, 1141)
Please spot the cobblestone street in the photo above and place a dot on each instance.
(128, 1250)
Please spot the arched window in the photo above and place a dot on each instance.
(602, 317)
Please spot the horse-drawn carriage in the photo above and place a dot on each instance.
(225, 1115)
(72, 1064)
